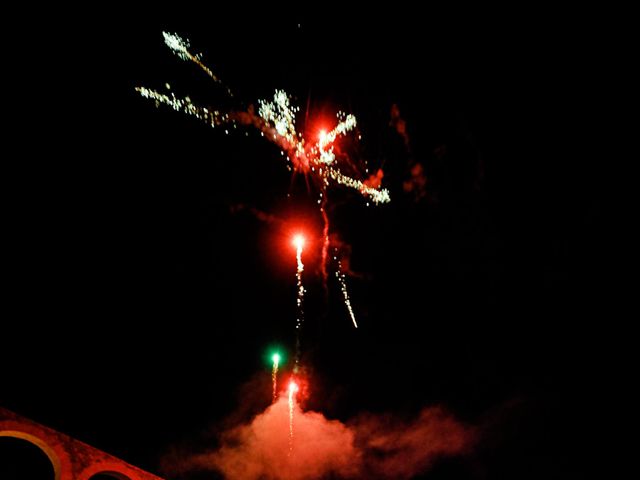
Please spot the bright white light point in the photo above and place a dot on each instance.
(298, 241)
(178, 45)
(323, 136)
(293, 387)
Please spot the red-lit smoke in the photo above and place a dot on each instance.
(403, 449)
(370, 447)
(261, 449)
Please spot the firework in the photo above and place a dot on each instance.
(325, 244)
(180, 47)
(274, 375)
(298, 242)
(293, 389)
(276, 121)
(343, 287)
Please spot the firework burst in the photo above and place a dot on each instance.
(275, 119)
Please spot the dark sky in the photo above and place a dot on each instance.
(138, 304)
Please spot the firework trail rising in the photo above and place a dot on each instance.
(274, 375)
(276, 122)
(298, 242)
(293, 389)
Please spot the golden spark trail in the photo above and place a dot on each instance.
(180, 47)
(293, 388)
(343, 287)
(298, 242)
(274, 375)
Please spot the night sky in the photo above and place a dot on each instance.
(142, 294)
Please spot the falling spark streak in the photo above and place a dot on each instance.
(343, 286)
(293, 389)
(274, 375)
(180, 47)
(325, 243)
(298, 242)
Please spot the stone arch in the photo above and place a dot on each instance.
(71, 458)
(110, 475)
(117, 470)
(49, 451)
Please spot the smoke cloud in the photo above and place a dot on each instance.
(262, 216)
(371, 446)
(402, 449)
(400, 125)
(375, 180)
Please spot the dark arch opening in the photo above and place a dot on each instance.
(108, 476)
(22, 460)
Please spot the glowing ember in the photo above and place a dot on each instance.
(293, 388)
(298, 242)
